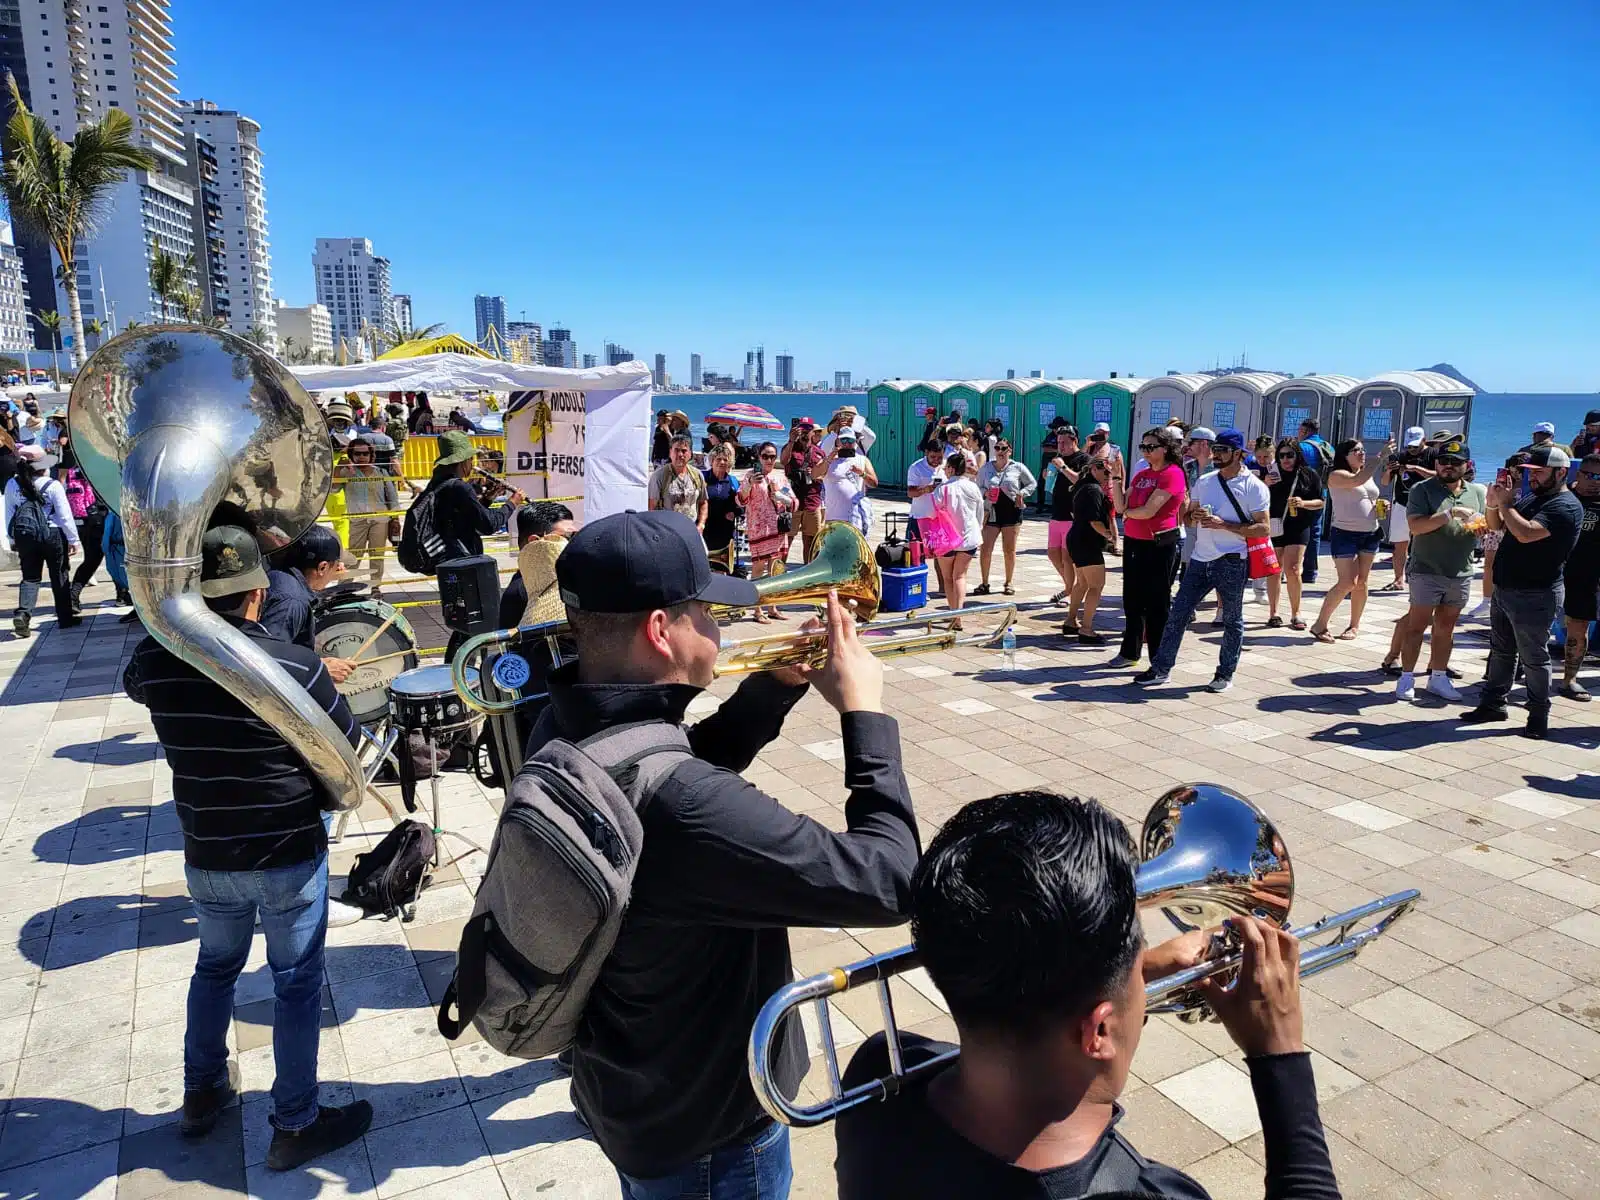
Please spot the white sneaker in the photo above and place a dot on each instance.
(1439, 684)
(1406, 688)
(340, 913)
(1261, 593)
(1481, 613)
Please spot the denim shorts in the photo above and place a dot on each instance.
(1347, 545)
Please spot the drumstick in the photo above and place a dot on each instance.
(376, 634)
(367, 662)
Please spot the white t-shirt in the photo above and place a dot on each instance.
(1252, 496)
(843, 488)
(921, 475)
(963, 501)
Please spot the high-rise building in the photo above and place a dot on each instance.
(749, 369)
(80, 61)
(353, 285)
(785, 368)
(239, 219)
(307, 328)
(1039, 374)
(559, 350)
(659, 375)
(1010, 373)
(761, 367)
(528, 333)
(841, 381)
(15, 336)
(696, 375)
(617, 354)
(589, 362)
(490, 311)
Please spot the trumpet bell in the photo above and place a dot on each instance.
(1208, 854)
(840, 561)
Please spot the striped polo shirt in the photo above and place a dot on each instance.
(245, 798)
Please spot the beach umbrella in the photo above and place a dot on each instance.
(747, 416)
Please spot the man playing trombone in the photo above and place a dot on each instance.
(659, 1069)
(1025, 914)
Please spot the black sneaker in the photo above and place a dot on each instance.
(20, 625)
(1538, 726)
(1485, 713)
(1151, 676)
(1092, 639)
(334, 1127)
(201, 1109)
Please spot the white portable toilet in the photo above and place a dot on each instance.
(1163, 398)
(1284, 405)
(1234, 402)
(1386, 405)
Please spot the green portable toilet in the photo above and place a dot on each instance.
(1051, 399)
(896, 411)
(1003, 399)
(965, 398)
(1111, 401)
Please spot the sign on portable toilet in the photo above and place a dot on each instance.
(1110, 401)
(1160, 400)
(1387, 405)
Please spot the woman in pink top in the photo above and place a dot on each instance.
(1149, 507)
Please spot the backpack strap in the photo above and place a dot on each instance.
(638, 756)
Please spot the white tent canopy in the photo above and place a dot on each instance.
(466, 372)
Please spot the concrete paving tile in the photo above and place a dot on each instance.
(1390, 1129)
(425, 1151)
(1495, 1060)
(578, 1170)
(89, 1174)
(39, 1128)
(1551, 1153)
(528, 1118)
(1550, 1034)
(1451, 1097)
(1217, 1094)
(1476, 1174)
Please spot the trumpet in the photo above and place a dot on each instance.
(840, 561)
(1208, 854)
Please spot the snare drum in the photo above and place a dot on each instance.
(342, 630)
(425, 699)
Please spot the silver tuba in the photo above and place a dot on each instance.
(175, 425)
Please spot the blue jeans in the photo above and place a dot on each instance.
(1228, 576)
(756, 1168)
(1519, 627)
(293, 903)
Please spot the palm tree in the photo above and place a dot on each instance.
(396, 334)
(94, 329)
(60, 189)
(258, 335)
(289, 345)
(191, 304)
(51, 320)
(166, 279)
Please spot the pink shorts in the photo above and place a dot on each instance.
(1057, 537)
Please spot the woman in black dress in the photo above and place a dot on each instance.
(1086, 546)
(1291, 525)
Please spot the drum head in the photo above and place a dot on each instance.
(342, 630)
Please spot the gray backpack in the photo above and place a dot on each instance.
(557, 886)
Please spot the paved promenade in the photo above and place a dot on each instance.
(1458, 1060)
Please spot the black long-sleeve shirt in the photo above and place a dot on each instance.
(245, 798)
(902, 1147)
(659, 1064)
(460, 519)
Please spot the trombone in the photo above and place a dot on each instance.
(1208, 854)
(841, 561)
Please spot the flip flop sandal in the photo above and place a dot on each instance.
(1393, 586)
(1297, 625)
(1008, 590)
(1058, 598)
(1349, 635)
(981, 590)
(1323, 636)
(1274, 622)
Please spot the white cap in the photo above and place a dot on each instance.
(1201, 434)
(1545, 427)
(1102, 427)
(1414, 435)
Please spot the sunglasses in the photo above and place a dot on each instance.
(1590, 474)
(1288, 456)
(769, 458)
(1149, 445)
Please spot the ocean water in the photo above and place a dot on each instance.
(1502, 422)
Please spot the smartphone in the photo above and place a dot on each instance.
(1503, 476)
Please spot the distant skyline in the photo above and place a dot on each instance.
(1351, 189)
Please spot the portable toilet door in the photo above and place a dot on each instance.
(964, 398)
(1111, 401)
(1435, 402)
(1160, 400)
(1002, 402)
(1373, 414)
(1040, 406)
(913, 407)
(1234, 402)
(1445, 414)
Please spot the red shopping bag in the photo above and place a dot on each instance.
(1263, 558)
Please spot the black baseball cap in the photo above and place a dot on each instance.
(639, 561)
(1453, 448)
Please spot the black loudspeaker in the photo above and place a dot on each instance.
(469, 593)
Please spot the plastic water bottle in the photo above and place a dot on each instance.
(1008, 647)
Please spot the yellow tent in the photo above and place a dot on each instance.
(449, 343)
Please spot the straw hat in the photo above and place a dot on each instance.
(537, 564)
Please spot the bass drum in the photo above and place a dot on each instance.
(342, 630)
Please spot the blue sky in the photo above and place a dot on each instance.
(948, 191)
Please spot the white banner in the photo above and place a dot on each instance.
(595, 448)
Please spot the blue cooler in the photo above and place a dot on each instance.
(903, 588)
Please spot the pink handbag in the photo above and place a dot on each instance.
(941, 533)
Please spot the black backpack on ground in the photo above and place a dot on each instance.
(389, 878)
(421, 548)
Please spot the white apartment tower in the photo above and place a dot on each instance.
(400, 308)
(84, 59)
(353, 285)
(14, 332)
(230, 216)
(308, 327)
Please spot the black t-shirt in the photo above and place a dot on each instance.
(1403, 479)
(460, 519)
(1529, 566)
(721, 501)
(1304, 484)
(1089, 504)
(1062, 493)
(902, 1147)
(1584, 561)
(661, 445)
